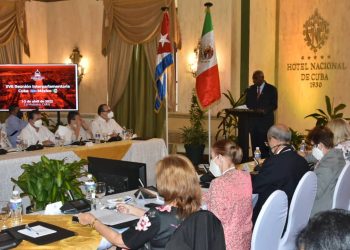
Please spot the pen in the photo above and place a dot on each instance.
(31, 229)
(127, 199)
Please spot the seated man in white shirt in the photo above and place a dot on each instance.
(76, 130)
(104, 124)
(35, 132)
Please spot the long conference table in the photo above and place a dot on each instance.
(86, 237)
(147, 151)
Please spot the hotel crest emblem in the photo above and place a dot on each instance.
(316, 31)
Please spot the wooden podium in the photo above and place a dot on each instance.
(244, 123)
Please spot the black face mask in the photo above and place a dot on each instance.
(20, 114)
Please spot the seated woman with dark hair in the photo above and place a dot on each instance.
(177, 183)
(328, 230)
(341, 131)
(230, 195)
(330, 162)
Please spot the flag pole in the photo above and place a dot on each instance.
(209, 135)
(165, 8)
(207, 81)
(208, 5)
(166, 118)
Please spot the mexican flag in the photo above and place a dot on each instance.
(207, 80)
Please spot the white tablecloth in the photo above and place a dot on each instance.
(148, 152)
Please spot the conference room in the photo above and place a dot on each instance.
(168, 124)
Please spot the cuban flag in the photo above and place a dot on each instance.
(164, 60)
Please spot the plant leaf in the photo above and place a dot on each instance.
(322, 112)
(339, 107)
(328, 105)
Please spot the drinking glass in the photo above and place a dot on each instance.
(105, 137)
(19, 144)
(100, 191)
(25, 144)
(1, 136)
(4, 215)
(131, 133)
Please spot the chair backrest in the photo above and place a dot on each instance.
(200, 231)
(341, 197)
(270, 222)
(255, 198)
(299, 210)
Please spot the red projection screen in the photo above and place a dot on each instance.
(48, 87)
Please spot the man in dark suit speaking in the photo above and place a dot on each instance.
(261, 97)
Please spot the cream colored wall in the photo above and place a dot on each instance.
(297, 97)
(36, 13)
(54, 29)
(79, 23)
(262, 38)
(235, 48)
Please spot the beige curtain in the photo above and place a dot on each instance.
(136, 21)
(118, 62)
(13, 31)
(11, 53)
(128, 23)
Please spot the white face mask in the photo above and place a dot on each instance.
(317, 153)
(214, 168)
(38, 123)
(110, 115)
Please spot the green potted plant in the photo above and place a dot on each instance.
(229, 122)
(194, 136)
(48, 181)
(296, 139)
(323, 117)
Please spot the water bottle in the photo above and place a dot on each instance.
(97, 137)
(257, 154)
(302, 147)
(16, 208)
(90, 188)
(124, 133)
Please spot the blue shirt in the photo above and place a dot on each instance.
(14, 125)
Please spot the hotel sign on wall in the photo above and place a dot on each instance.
(314, 70)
